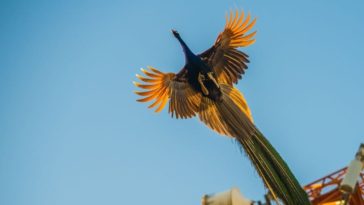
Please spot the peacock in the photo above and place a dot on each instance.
(205, 87)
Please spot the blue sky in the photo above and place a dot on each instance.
(72, 133)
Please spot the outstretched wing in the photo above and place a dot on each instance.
(228, 63)
(161, 87)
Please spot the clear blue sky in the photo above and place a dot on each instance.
(72, 133)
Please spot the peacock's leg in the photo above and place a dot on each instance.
(201, 78)
(211, 76)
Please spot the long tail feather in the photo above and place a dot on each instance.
(269, 164)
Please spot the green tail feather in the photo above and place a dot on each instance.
(273, 170)
(269, 164)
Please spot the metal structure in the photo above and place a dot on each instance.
(343, 187)
(326, 191)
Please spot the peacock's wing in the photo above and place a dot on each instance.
(184, 101)
(229, 63)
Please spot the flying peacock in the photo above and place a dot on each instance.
(205, 87)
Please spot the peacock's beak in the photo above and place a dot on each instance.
(175, 33)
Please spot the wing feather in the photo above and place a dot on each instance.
(161, 87)
(229, 63)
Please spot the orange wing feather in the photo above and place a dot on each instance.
(229, 63)
(163, 87)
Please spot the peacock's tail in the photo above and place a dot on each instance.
(229, 117)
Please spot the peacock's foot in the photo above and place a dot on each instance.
(201, 78)
(211, 76)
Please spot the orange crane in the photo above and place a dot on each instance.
(326, 191)
(343, 187)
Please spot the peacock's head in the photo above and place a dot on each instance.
(175, 33)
